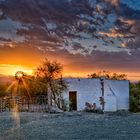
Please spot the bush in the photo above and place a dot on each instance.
(135, 97)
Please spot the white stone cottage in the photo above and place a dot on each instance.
(114, 92)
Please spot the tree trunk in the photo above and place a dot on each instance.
(54, 96)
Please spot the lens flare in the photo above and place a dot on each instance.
(19, 75)
(20, 80)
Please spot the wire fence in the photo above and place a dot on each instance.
(24, 104)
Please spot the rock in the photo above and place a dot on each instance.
(55, 110)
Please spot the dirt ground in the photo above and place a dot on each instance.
(69, 126)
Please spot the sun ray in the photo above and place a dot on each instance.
(26, 87)
(27, 77)
(15, 113)
(10, 86)
(15, 86)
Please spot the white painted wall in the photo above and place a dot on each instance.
(119, 90)
(116, 93)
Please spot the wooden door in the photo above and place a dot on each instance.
(73, 100)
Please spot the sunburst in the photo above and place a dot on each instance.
(20, 81)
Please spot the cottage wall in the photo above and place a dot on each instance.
(88, 90)
(116, 93)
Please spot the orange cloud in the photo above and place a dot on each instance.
(12, 69)
(113, 2)
(112, 33)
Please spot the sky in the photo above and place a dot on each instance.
(85, 36)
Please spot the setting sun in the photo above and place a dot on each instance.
(19, 75)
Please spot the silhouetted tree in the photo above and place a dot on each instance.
(35, 87)
(2, 90)
(108, 75)
(50, 73)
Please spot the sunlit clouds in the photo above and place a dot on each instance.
(112, 33)
(85, 37)
(12, 69)
(113, 2)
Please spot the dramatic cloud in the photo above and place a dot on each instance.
(113, 2)
(100, 34)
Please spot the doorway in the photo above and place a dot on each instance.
(73, 100)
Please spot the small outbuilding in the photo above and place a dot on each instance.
(108, 95)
